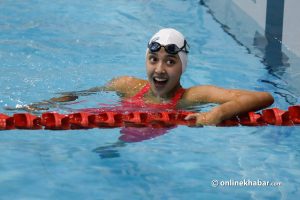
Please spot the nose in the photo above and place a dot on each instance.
(160, 68)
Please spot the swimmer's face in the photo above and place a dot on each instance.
(164, 71)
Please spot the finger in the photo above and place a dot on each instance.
(191, 116)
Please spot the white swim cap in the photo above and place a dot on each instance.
(168, 36)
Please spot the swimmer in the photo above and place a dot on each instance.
(166, 60)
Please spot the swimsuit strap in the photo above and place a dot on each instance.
(146, 88)
(177, 96)
(141, 93)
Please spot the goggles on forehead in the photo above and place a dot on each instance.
(170, 48)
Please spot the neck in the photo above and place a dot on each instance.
(167, 96)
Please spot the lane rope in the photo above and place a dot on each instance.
(113, 119)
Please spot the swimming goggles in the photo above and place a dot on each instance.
(170, 48)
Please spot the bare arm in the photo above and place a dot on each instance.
(56, 101)
(125, 86)
(232, 103)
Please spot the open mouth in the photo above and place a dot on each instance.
(160, 81)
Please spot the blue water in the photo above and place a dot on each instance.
(48, 47)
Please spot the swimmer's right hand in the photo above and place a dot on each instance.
(28, 108)
(44, 105)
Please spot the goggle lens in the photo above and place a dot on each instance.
(170, 48)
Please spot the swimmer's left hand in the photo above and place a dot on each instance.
(205, 118)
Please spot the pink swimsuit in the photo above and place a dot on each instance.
(137, 100)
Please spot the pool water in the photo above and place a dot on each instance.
(48, 47)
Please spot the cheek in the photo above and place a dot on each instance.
(148, 67)
(149, 70)
(175, 72)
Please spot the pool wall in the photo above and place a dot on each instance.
(268, 28)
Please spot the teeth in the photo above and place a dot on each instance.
(160, 79)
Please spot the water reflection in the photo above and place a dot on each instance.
(138, 134)
(109, 151)
(129, 135)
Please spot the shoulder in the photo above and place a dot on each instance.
(127, 85)
(202, 93)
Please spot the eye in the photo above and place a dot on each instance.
(171, 62)
(152, 59)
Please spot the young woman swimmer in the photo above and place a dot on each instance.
(166, 60)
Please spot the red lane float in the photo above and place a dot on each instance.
(105, 119)
(252, 119)
(27, 121)
(55, 121)
(111, 119)
(6, 122)
(294, 114)
(273, 116)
